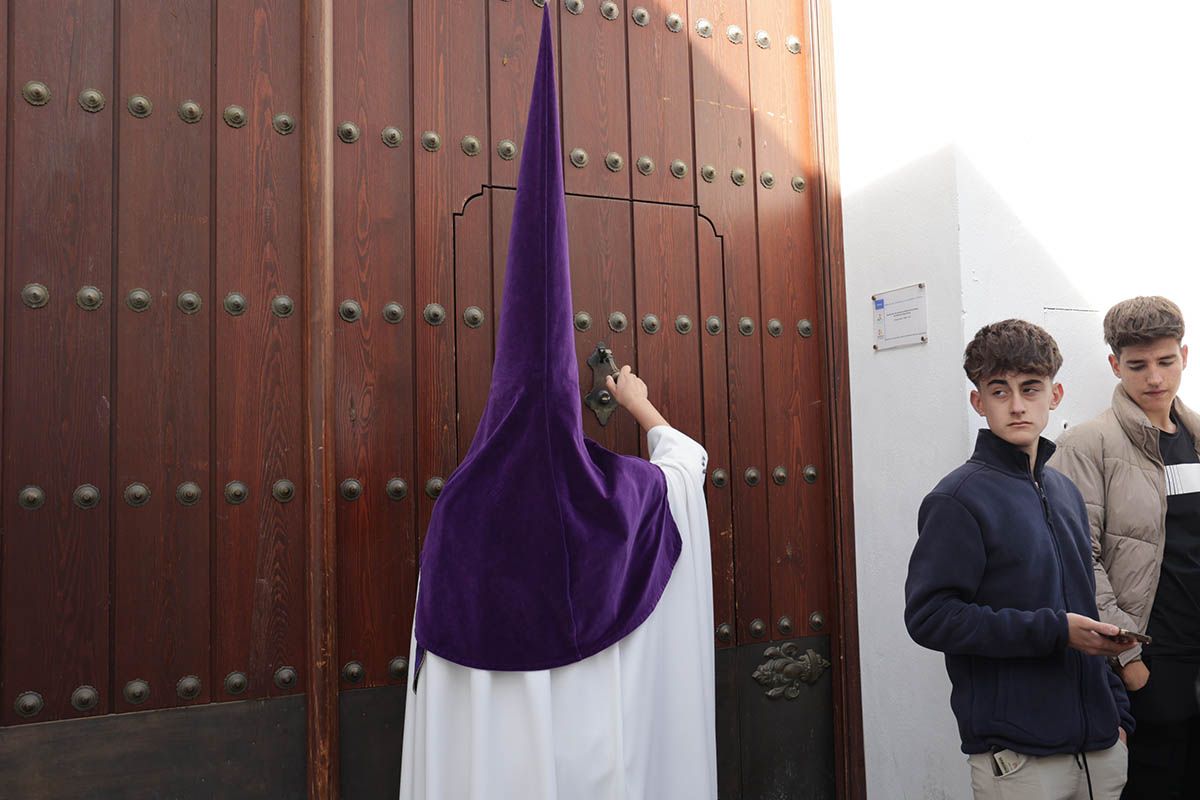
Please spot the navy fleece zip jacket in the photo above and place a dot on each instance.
(1002, 555)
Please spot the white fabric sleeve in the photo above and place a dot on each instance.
(671, 449)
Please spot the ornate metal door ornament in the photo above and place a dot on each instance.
(786, 669)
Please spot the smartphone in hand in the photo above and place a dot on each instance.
(1123, 636)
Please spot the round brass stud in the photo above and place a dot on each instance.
(348, 132)
(285, 677)
(645, 165)
(391, 136)
(91, 100)
(138, 300)
(793, 45)
(350, 489)
(779, 475)
(283, 124)
(470, 145)
(704, 28)
(397, 489)
(29, 704)
(753, 476)
(745, 326)
(434, 486)
(473, 316)
(579, 158)
(235, 304)
(85, 698)
(283, 490)
(188, 493)
(641, 17)
(575, 6)
(583, 321)
(785, 625)
(188, 687)
(683, 324)
(709, 173)
(393, 313)
(775, 328)
(734, 34)
(618, 321)
(190, 112)
(713, 325)
(767, 179)
(651, 324)
(804, 328)
(353, 672)
(282, 306)
(140, 106)
(137, 494)
(189, 302)
(31, 498)
(137, 692)
(679, 169)
(434, 314)
(816, 620)
(614, 162)
(810, 474)
(236, 493)
(36, 93)
(674, 23)
(89, 298)
(725, 633)
(799, 184)
(609, 10)
(507, 149)
(234, 116)
(35, 295)
(763, 40)
(236, 682)
(738, 176)
(540, 3)
(350, 311)
(431, 141)
(720, 478)
(758, 628)
(86, 496)
(397, 668)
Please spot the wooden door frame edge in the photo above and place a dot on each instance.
(848, 732)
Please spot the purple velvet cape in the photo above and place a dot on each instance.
(544, 548)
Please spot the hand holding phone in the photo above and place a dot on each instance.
(1125, 636)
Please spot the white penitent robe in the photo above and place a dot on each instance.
(636, 721)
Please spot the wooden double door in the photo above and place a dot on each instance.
(159, 307)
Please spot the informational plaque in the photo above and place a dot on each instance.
(900, 317)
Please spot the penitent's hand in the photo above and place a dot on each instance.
(1088, 636)
(634, 397)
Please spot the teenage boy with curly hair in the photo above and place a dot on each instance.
(1138, 467)
(1001, 581)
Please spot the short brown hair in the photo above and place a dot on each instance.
(1141, 320)
(1011, 346)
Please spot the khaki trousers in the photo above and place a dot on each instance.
(1059, 777)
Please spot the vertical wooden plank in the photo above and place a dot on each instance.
(715, 397)
(374, 365)
(602, 283)
(473, 296)
(321, 673)
(514, 27)
(7, 97)
(449, 61)
(660, 107)
(664, 249)
(595, 108)
(161, 589)
(55, 627)
(723, 142)
(259, 623)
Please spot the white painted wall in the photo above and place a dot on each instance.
(1033, 159)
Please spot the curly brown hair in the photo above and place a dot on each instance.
(1141, 320)
(1011, 346)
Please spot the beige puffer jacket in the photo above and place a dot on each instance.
(1115, 462)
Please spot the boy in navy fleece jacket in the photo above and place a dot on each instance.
(1001, 582)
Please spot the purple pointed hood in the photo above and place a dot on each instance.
(544, 548)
